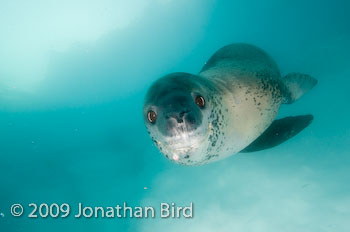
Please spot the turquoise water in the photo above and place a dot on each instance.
(73, 76)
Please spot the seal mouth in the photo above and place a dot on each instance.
(185, 143)
(182, 148)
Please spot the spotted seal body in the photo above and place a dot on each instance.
(197, 119)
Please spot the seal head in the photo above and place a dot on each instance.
(176, 112)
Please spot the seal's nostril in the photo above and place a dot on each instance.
(180, 120)
(178, 116)
(182, 113)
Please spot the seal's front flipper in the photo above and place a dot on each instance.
(279, 131)
(296, 86)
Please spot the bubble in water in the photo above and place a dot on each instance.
(2, 215)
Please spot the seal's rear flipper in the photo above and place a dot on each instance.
(279, 131)
(297, 85)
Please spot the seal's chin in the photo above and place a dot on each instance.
(183, 149)
(184, 144)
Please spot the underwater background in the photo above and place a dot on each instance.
(73, 75)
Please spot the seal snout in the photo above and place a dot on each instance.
(180, 122)
(178, 116)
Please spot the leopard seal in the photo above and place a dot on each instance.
(229, 107)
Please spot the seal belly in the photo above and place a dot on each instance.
(250, 86)
(253, 108)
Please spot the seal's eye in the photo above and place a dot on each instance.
(200, 101)
(152, 116)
